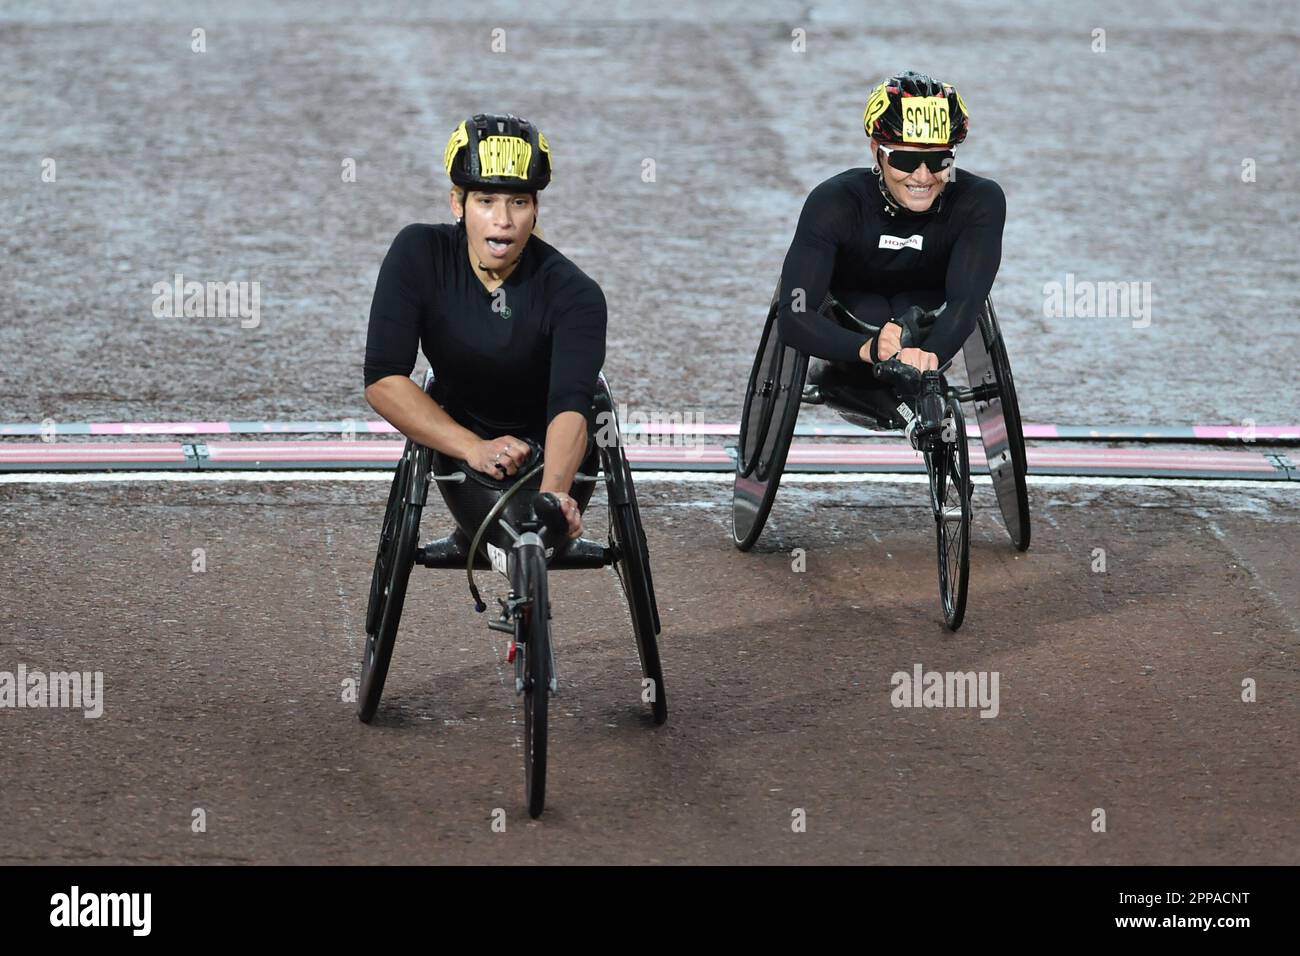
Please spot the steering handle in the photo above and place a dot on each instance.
(924, 391)
(547, 508)
(898, 374)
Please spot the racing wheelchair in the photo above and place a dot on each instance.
(506, 526)
(890, 396)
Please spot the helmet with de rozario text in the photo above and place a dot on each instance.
(490, 152)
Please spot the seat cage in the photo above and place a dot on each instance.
(470, 495)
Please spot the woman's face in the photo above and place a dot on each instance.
(498, 225)
(915, 191)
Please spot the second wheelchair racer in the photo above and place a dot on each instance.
(909, 232)
(514, 331)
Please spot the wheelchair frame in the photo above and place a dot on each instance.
(526, 613)
(775, 391)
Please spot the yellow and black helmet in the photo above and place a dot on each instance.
(491, 152)
(915, 109)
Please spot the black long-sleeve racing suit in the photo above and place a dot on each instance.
(878, 264)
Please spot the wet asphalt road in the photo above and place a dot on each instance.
(1122, 166)
(223, 689)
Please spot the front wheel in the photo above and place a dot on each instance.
(948, 465)
(533, 642)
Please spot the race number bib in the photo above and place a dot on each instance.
(876, 106)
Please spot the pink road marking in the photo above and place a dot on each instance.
(722, 429)
(304, 451)
(695, 453)
(63, 452)
(159, 428)
(1241, 433)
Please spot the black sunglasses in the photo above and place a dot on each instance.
(907, 160)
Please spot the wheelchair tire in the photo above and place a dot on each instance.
(533, 641)
(398, 540)
(756, 413)
(1001, 431)
(627, 536)
(777, 379)
(948, 466)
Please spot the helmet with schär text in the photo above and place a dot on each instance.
(913, 109)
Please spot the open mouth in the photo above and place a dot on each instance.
(499, 246)
(920, 192)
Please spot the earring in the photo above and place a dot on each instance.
(875, 170)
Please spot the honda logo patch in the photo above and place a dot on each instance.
(896, 242)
